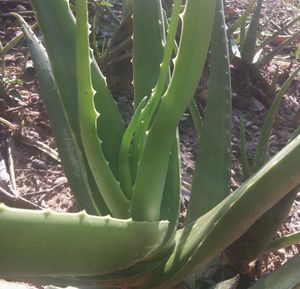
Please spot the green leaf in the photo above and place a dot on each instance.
(267, 58)
(147, 196)
(126, 174)
(261, 152)
(285, 277)
(12, 43)
(241, 20)
(150, 109)
(256, 239)
(249, 45)
(283, 242)
(64, 244)
(109, 187)
(148, 41)
(59, 34)
(68, 148)
(243, 148)
(196, 117)
(199, 242)
(211, 182)
(276, 34)
(170, 204)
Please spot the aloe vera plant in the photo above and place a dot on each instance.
(128, 178)
(250, 47)
(6, 82)
(256, 240)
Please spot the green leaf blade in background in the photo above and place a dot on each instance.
(199, 242)
(59, 34)
(276, 34)
(148, 41)
(267, 58)
(261, 152)
(255, 241)
(249, 44)
(285, 241)
(244, 152)
(241, 20)
(285, 277)
(211, 181)
(68, 147)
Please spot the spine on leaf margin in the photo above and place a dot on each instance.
(109, 186)
(58, 26)
(70, 154)
(45, 243)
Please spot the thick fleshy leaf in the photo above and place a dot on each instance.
(148, 41)
(211, 182)
(199, 242)
(68, 147)
(190, 60)
(285, 277)
(59, 34)
(283, 242)
(256, 239)
(62, 244)
(109, 186)
(261, 152)
(171, 197)
(249, 45)
(244, 152)
(158, 91)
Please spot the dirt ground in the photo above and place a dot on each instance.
(35, 179)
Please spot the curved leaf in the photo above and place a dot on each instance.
(59, 34)
(147, 196)
(283, 242)
(108, 185)
(286, 277)
(68, 148)
(199, 242)
(261, 152)
(62, 244)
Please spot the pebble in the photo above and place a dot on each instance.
(4, 176)
(60, 181)
(39, 164)
(235, 140)
(248, 123)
